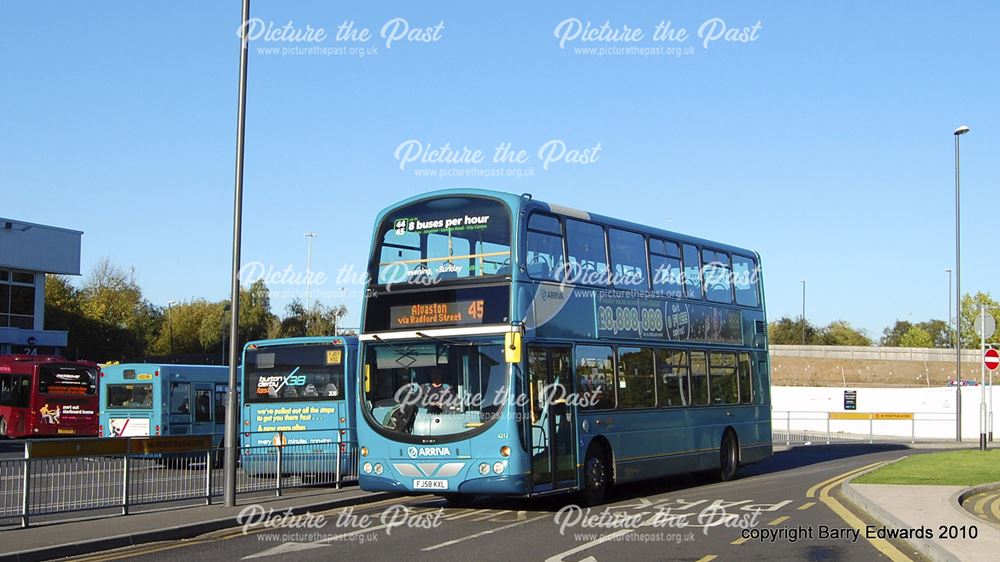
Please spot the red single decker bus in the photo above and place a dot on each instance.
(42, 395)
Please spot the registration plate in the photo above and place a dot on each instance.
(70, 431)
(430, 484)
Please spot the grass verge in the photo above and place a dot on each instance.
(950, 468)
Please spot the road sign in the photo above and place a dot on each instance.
(990, 326)
(850, 399)
(991, 359)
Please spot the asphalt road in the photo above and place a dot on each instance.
(776, 510)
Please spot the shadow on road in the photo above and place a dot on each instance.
(787, 459)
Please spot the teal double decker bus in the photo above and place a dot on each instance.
(514, 347)
(299, 394)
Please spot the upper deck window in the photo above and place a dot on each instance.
(717, 274)
(665, 261)
(443, 239)
(588, 254)
(628, 253)
(745, 280)
(545, 247)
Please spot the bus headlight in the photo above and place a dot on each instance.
(498, 467)
(484, 469)
(505, 451)
(378, 468)
(364, 451)
(367, 468)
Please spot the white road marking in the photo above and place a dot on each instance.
(482, 533)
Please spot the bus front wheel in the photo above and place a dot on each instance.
(596, 476)
(729, 457)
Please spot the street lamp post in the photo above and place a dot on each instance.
(958, 288)
(803, 281)
(949, 305)
(170, 325)
(232, 407)
(309, 247)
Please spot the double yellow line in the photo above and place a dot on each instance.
(825, 487)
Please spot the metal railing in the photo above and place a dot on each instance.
(861, 427)
(72, 475)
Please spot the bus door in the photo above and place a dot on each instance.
(202, 410)
(180, 409)
(219, 407)
(553, 454)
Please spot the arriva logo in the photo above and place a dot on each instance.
(415, 452)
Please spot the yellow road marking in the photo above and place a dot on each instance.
(995, 507)
(882, 545)
(779, 520)
(812, 491)
(806, 506)
(740, 540)
(707, 558)
(980, 504)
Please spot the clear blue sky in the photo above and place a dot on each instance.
(825, 143)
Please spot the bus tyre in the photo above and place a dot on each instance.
(596, 476)
(729, 457)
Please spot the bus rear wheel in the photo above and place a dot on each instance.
(729, 457)
(596, 476)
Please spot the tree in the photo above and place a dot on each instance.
(970, 311)
(840, 332)
(936, 330)
(789, 332)
(916, 336)
(106, 319)
(320, 320)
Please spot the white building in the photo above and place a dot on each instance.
(27, 253)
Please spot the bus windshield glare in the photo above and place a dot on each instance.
(434, 388)
(294, 373)
(442, 239)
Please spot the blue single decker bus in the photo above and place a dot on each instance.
(298, 393)
(143, 399)
(514, 347)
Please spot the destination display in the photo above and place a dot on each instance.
(456, 313)
(465, 306)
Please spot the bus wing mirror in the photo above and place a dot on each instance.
(512, 347)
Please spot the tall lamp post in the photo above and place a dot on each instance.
(803, 281)
(958, 288)
(232, 408)
(309, 250)
(948, 270)
(170, 325)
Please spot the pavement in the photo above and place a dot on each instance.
(45, 540)
(949, 523)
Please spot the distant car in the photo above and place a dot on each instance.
(969, 382)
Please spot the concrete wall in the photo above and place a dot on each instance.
(805, 408)
(872, 353)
